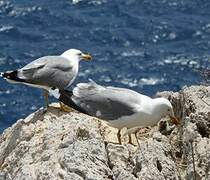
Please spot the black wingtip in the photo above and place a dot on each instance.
(11, 75)
(66, 98)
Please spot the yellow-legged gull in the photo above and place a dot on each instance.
(49, 71)
(120, 107)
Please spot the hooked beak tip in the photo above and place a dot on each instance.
(87, 57)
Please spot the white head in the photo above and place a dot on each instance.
(164, 108)
(75, 54)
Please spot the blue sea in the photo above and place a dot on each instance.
(144, 45)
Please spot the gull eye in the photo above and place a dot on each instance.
(80, 54)
(169, 110)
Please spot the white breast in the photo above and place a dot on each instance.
(142, 118)
(73, 72)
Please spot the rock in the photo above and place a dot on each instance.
(54, 145)
(57, 145)
(193, 133)
(154, 159)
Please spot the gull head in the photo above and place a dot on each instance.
(75, 54)
(164, 108)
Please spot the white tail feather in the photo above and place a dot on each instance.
(1, 74)
(55, 93)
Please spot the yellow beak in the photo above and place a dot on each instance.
(174, 120)
(86, 57)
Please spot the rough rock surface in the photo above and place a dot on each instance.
(57, 145)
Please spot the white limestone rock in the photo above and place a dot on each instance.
(56, 145)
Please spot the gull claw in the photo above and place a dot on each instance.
(64, 108)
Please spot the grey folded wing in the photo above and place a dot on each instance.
(52, 71)
(105, 102)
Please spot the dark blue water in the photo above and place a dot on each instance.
(145, 45)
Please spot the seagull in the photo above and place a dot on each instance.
(120, 107)
(49, 72)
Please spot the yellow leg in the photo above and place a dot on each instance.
(137, 138)
(130, 139)
(64, 108)
(119, 136)
(46, 100)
